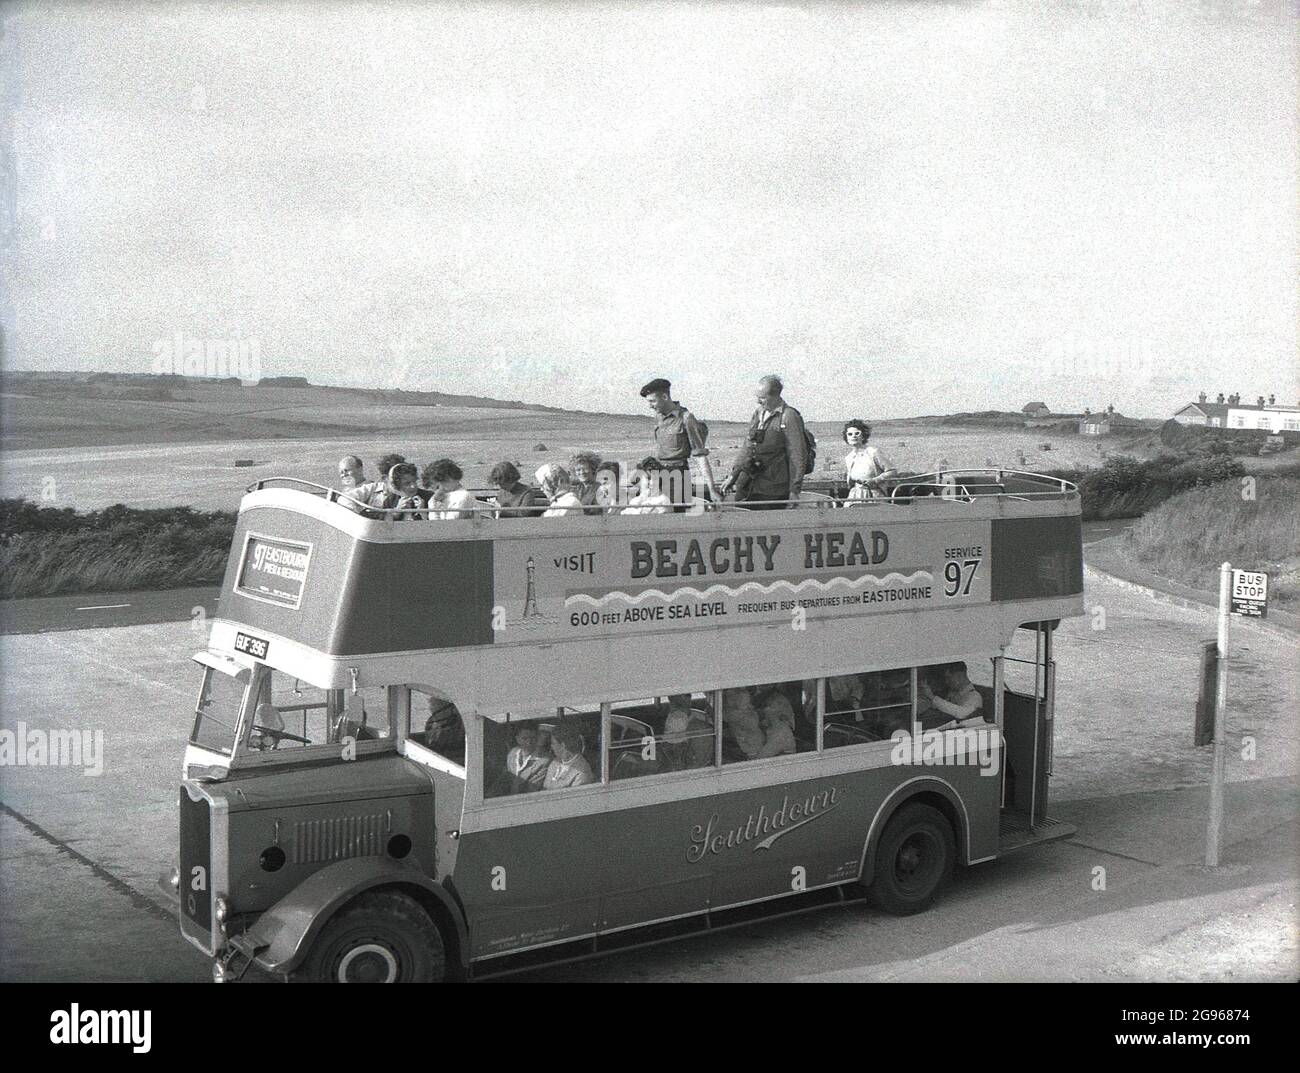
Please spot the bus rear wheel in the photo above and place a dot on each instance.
(379, 937)
(913, 860)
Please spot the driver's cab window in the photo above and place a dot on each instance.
(216, 715)
(286, 713)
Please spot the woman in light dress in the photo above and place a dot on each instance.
(449, 499)
(865, 468)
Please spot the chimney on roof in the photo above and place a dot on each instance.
(1272, 400)
(1220, 398)
(1111, 408)
(1087, 411)
(1260, 402)
(1202, 397)
(1233, 399)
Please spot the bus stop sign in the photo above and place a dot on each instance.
(1249, 594)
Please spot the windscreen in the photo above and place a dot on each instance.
(217, 711)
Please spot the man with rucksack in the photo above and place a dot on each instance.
(777, 455)
(679, 437)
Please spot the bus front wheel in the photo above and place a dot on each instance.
(378, 937)
(913, 860)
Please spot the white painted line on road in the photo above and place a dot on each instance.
(101, 607)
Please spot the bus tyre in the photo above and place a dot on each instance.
(379, 937)
(913, 860)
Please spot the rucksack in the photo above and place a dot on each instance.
(810, 446)
(700, 424)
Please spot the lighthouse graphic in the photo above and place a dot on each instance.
(530, 594)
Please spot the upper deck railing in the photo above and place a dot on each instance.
(959, 485)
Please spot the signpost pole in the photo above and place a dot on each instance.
(1215, 832)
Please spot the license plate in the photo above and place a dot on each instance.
(252, 646)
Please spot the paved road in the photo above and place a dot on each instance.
(48, 614)
(1094, 531)
(79, 854)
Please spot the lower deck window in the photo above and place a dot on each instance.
(946, 696)
(766, 720)
(674, 733)
(551, 753)
(743, 724)
(867, 707)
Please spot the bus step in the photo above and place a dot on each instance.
(1016, 831)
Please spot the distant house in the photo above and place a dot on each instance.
(1208, 414)
(1231, 413)
(1035, 409)
(1201, 412)
(1091, 424)
(1104, 423)
(1279, 419)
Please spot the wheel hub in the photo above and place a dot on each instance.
(368, 964)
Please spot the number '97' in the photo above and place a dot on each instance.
(958, 576)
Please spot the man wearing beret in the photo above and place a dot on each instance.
(679, 437)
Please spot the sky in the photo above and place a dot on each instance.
(901, 208)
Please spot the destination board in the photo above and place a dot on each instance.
(274, 569)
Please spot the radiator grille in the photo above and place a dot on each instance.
(333, 840)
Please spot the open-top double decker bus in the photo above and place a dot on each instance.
(438, 750)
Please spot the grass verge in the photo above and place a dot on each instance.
(1187, 537)
(45, 551)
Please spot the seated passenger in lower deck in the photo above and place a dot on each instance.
(867, 707)
(528, 761)
(568, 767)
(688, 734)
(444, 732)
(759, 721)
(844, 694)
(947, 699)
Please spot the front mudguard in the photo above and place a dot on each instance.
(279, 940)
